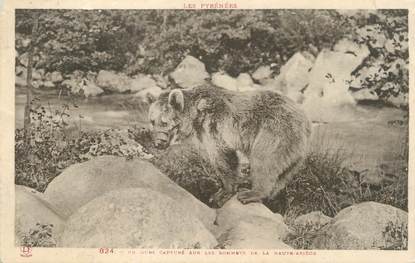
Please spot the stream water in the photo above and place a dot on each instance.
(368, 137)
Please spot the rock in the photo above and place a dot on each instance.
(238, 224)
(80, 183)
(141, 82)
(48, 84)
(225, 81)
(401, 100)
(37, 84)
(21, 71)
(365, 95)
(24, 59)
(72, 85)
(56, 77)
(313, 218)
(77, 75)
(32, 209)
(152, 91)
(20, 81)
(293, 77)
(136, 218)
(112, 82)
(190, 73)
(161, 81)
(90, 89)
(361, 226)
(82, 87)
(328, 89)
(348, 46)
(37, 74)
(244, 82)
(262, 73)
(260, 234)
(26, 42)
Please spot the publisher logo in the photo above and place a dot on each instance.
(26, 251)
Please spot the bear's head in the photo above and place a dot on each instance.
(166, 115)
(175, 115)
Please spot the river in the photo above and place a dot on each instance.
(369, 137)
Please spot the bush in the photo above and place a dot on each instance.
(185, 166)
(322, 184)
(53, 146)
(396, 236)
(325, 184)
(234, 41)
(302, 236)
(155, 41)
(385, 32)
(40, 236)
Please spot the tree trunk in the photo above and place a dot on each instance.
(29, 92)
(164, 25)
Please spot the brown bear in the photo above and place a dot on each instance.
(268, 128)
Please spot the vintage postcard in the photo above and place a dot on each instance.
(207, 131)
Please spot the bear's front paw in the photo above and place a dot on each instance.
(220, 198)
(249, 196)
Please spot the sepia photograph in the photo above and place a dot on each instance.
(211, 128)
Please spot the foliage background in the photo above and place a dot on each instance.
(234, 41)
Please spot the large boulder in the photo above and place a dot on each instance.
(37, 74)
(24, 59)
(362, 226)
(328, 87)
(153, 92)
(20, 81)
(113, 82)
(82, 86)
(21, 71)
(136, 218)
(249, 226)
(242, 83)
(315, 218)
(161, 81)
(55, 77)
(365, 95)
(190, 73)
(141, 82)
(80, 183)
(262, 73)
(225, 81)
(48, 84)
(73, 85)
(90, 89)
(293, 77)
(33, 211)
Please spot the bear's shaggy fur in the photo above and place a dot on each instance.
(268, 128)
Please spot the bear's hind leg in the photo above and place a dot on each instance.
(271, 160)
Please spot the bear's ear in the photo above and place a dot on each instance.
(176, 99)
